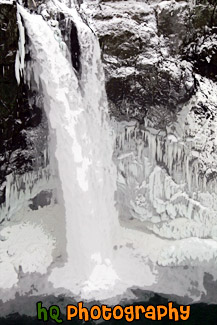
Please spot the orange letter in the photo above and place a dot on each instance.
(137, 310)
(121, 312)
(173, 311)
(69, 313)
(82, 310)
(98, 312)
(129, 314)
(187, 312)
(104, 310)
(153, 313)
(159, 313)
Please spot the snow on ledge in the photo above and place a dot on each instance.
(9, 2)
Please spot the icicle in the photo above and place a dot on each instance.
(170, 157)
(159, 150)
(20, 56)
(22, 188)
(188, 173)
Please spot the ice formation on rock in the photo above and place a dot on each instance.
(168, 177)
(20, 189)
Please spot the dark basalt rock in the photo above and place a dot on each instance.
(41, 200)
(151, 51)
(70, 36)
(142, 54)
(201, 48)
(74, 47)
(174, 24)
(204, 14)
(132, 96)
(17, 114)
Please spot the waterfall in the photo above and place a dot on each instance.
(76, 108)
(166, 198)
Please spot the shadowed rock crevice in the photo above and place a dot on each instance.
(75, 48)
(70, 36)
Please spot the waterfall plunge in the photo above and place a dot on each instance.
(77, 114)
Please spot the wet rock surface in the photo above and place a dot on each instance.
(151, 51)
(18, 114)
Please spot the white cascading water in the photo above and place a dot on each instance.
(77, 114)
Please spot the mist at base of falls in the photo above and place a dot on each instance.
(129, 207)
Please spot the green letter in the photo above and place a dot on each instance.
(55, 315)
(41, 310)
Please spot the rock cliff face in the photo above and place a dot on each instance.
(19, 111)
(151, 51)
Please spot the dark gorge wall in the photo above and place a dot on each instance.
(151, 51)
(15, 114)
(140, 49)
